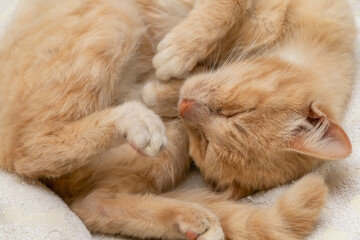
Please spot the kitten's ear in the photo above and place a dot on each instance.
(321, 138)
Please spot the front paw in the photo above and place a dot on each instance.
(143, 129)
(175, 58)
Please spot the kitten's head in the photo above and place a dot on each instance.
(254, 111)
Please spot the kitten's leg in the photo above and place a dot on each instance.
(162, 97)
(146, 216)
(172, 165)
(196, 36)
(149, 174)
(65, 147)
(123, 168)
(292, 217)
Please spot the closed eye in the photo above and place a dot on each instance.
(234, 113)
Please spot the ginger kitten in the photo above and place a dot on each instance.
(71, 77)
(269, 112)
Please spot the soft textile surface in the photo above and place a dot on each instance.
(30, 211)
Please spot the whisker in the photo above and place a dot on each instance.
(235, 52)
(247, 49)
(263, 51)
(217, 57)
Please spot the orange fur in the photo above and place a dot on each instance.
(268, 110)
(72, 76)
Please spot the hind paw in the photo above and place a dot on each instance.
(199, 224)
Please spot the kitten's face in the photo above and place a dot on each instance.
(249, 114)
(242, 111)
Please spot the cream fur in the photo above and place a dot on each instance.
(268, 111)
(72, 77)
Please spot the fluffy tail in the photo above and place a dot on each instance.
(292, 217)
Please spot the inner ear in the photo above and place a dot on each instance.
(263, 24)
(321, 138)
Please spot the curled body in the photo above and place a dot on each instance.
(268, 110)
(72, 78)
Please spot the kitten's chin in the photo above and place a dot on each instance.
(193, 113)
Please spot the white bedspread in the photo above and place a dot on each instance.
(30, 211)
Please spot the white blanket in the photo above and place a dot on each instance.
(30, 211)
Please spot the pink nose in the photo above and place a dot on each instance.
(185, 105)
